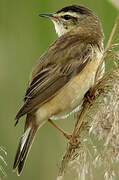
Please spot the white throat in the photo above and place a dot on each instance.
(60, 30)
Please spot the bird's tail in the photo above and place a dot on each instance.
(24, 147)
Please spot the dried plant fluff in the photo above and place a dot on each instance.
(3, 163)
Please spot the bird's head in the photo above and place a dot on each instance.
(77, 18)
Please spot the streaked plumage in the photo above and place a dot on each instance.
(62, 76)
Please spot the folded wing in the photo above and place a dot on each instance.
(55, 69)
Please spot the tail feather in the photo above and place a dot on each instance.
(23, 148)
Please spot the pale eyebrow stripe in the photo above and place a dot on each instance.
(72, 14)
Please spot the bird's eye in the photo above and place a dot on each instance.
(66, 17)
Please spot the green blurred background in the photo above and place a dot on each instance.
(24, 36)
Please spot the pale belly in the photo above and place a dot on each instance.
(66, 114)
(70, 97)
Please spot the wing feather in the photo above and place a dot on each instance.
(51, 73)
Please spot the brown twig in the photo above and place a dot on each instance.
(108, 46)
(73, 144)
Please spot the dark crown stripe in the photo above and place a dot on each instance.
(76, 8)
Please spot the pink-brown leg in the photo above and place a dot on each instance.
(59, 129)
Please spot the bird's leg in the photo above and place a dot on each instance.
(89, 97)
(59, 129)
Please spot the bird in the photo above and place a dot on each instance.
(63, 74)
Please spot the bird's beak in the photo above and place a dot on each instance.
(50, 16)
(46, 15)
